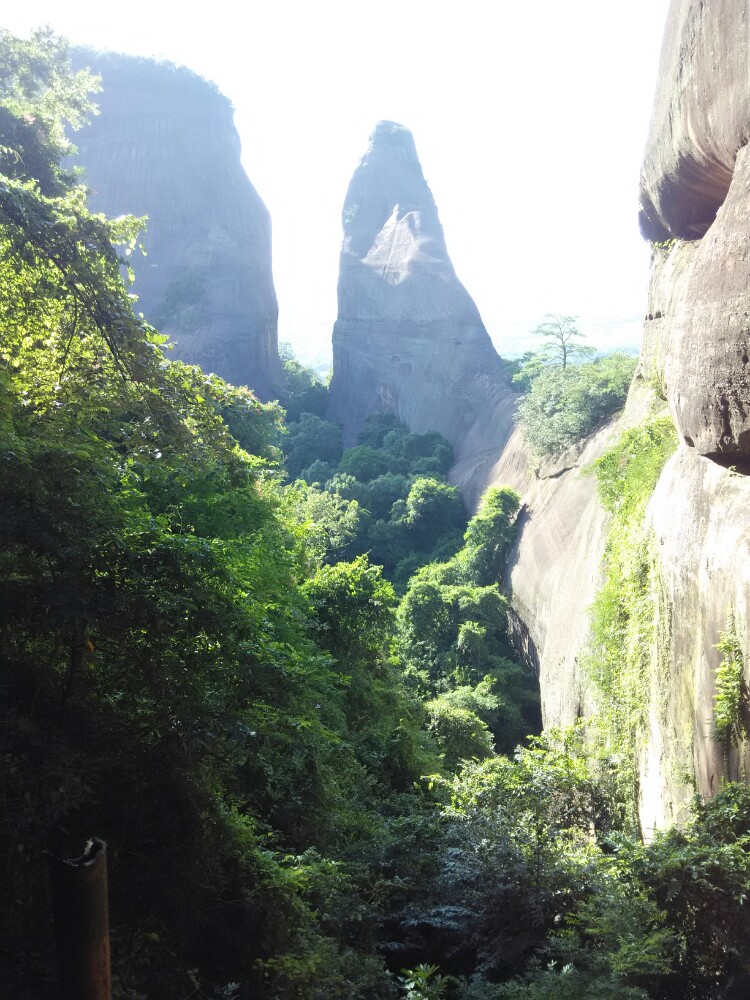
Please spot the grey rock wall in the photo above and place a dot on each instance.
(165, 146)
(694, 186)
(695, 197)
(409, 339)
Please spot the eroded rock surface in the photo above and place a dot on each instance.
(165, 146)
(556, 565)
(700, 517)
(409, 339)
(695, 186)
(695, 194)
(700, 120)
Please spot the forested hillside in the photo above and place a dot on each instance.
(311, 785)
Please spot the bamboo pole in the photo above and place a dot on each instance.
(79, 895)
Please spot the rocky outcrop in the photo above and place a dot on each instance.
(555, 566)
(409, 339)
(695, 199)
(165, 146)
(694, 187)
(700, 517)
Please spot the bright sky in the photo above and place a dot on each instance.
(529, 120)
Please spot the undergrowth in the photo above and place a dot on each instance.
(629, 606)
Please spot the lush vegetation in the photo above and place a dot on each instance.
(628, 605)
(567, 395)
(187, 668)
(730, 697)
(309, 787)
(565, 404)
(390, 488)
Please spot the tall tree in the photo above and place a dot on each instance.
(561, 340)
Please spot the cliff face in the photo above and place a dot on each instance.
(165, 146)
(409, 339)
(694, 187)
(695, 200)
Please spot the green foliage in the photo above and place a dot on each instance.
(460, 733)
(354, 606)
(311, 439)
(303, 392)
(364, 463)
(627, 605)
(490, 534)
(39, 96)
(432, 509)
(730, 692)
(566, 404)
(425, 983)
(329, 524)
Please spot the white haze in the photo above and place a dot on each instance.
(529, 119)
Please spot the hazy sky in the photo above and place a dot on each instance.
(529, 120)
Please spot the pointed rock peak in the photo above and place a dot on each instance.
(409, 339)
(395, 138)
(389, 202)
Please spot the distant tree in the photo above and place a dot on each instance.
(560, 335)
(560, 349)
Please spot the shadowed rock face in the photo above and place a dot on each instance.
(165, 146)
(409, 339)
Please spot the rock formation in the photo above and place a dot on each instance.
(409, 339)
(695, 202)
(165, 146)
(694, 188)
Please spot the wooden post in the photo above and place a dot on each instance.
(79, 894)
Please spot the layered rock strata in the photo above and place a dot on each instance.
(165, 146)
(409, 339)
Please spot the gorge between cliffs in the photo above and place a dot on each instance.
(423, 677)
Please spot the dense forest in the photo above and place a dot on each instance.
(275, 675)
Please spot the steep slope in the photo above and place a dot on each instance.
(555, 567)
(409, 339)
(165, 146)
(694, 204)
(694, 190)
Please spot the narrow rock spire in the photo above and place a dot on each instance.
(409, 339)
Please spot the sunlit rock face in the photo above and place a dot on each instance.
(695, 191)
(165, 146)
(695, 186)
(409, 339)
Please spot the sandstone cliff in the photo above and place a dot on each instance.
(165, 146)
(695, 201)
(409, 339)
